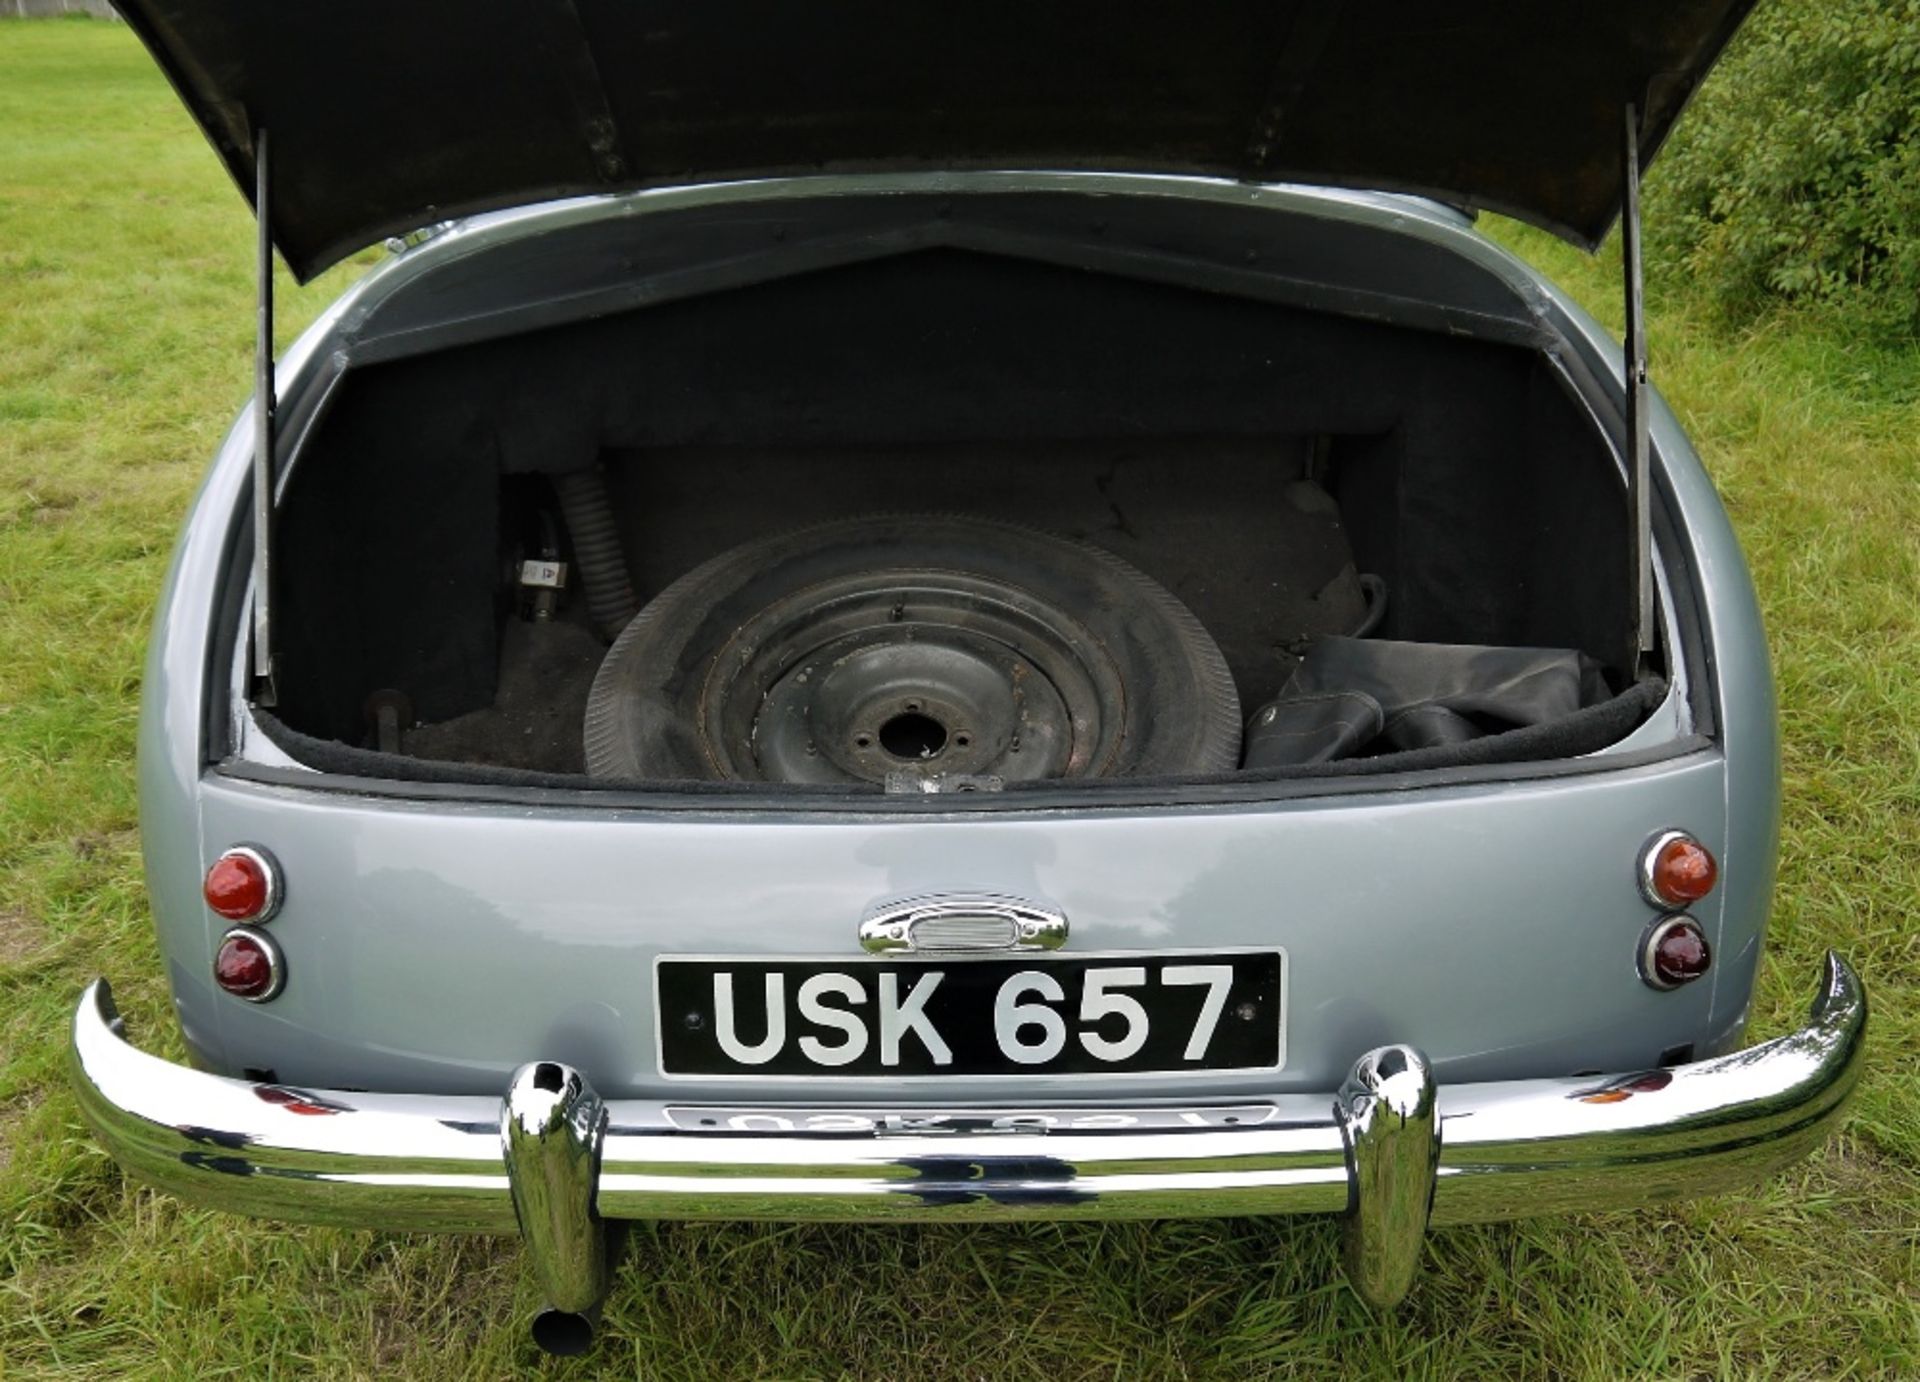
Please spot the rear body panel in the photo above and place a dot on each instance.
(436, 948)
(435, 943)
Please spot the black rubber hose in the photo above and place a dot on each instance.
(596, 550)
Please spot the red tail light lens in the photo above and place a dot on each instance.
(248, 965)
(243, 885)
(1676, 870)
(1675, 952)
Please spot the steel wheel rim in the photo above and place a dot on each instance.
(912, 670)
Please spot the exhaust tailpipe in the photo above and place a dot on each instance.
(566, 1333)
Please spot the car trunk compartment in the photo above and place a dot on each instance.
(1252, 458)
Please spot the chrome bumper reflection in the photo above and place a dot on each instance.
(460, 1163)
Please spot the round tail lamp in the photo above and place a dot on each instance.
(1676, 870)
(248, 965)
(1674, 952)
(243, 885)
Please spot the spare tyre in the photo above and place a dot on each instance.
(857, 649)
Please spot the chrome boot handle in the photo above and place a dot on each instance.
(962, 921)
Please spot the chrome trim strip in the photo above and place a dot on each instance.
(406, 1161)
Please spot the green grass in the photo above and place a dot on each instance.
(125, 320)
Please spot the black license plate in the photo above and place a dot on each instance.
(1113, 1014)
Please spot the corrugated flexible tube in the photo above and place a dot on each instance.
(596, 550)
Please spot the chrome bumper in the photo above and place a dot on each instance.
(1389, 1150)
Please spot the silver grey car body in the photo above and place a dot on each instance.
(1475, 930)
(1522, 902)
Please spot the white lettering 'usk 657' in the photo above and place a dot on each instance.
(1027, 1029)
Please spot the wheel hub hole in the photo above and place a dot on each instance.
(913, 735)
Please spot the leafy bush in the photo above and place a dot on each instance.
(1796, 174)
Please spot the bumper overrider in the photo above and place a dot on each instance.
(1389, 1150)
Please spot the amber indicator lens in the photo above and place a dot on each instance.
(246, 966)
(240, 885)
(1676, 952)
(1681, 870)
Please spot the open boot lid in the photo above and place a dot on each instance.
(388, 117)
